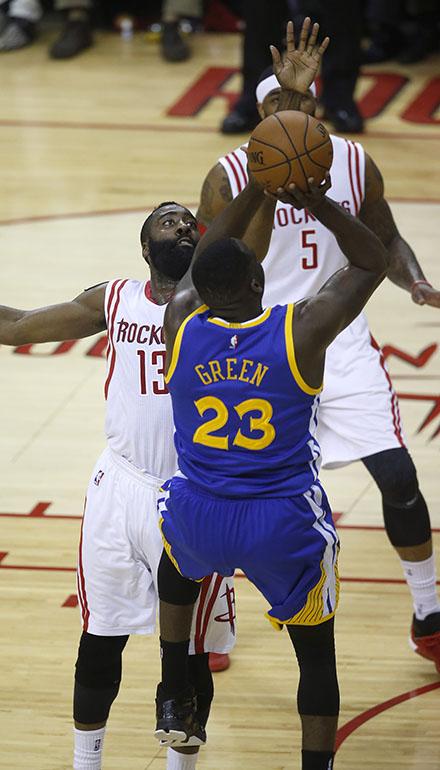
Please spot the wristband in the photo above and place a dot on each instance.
(417, 283)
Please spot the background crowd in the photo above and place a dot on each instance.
(361, 31)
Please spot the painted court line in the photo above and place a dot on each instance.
(346, 730)
(146, 209)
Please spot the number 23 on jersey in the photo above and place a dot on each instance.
(260, 434)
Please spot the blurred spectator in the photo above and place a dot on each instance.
(173, 46)
(342, 22)
(339, 19)
(18, 26)
(264, 26)
(402, 29)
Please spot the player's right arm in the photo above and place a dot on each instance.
(319, 319)
(82, 317)
(215, 196)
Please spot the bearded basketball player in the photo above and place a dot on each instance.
(359, 415)
(120, 545)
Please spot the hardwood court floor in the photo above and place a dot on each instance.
(86, 149)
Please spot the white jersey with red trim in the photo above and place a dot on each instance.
(302, 255)
(139, 419)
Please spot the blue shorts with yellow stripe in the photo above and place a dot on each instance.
(287, 546)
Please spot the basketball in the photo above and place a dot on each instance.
(288, 147)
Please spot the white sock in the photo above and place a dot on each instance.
(87, 754)
(421, 579)
(177, 761)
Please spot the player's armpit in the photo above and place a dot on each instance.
(215, 196)
(82, 317)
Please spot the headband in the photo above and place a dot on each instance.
(269, 84)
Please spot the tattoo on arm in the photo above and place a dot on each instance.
(206, 201)
(215, 196)
(225, 189)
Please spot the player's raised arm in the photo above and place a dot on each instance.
(404, 269)
(319, 319)
(248, 217)
(83, 316)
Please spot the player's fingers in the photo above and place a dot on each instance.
(322, 49)
(313, 38)
(270, 195)
(290, 37)
(304, 34)
(276, 59)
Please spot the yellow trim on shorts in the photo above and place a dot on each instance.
(167, 547)
(172, 558)
(313, 613)
(245, 325)
(178, 341)
(290, 347)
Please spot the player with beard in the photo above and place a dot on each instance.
(359, 413)
(120, 544)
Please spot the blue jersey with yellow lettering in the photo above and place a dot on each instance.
(244, 417)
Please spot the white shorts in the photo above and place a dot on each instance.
(359, 410)
(119, 553)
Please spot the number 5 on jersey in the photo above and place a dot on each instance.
(259, 424)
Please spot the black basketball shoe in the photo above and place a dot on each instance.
(176, 720)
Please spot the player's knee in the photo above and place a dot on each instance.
(395, 474)
(173, 587)
(318, 692)
(99, 662)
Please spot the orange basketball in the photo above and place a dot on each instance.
(289, 147)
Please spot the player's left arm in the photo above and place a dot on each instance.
(404, 269)
(249, 217)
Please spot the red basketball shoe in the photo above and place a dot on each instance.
(218, 662)
(425, 638)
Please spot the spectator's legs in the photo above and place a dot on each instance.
(264, 26)
(342, 21)
(383, 22)
(18, 27)
(423, 37)
(76, 34)
(174, 47)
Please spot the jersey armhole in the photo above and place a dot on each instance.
(178, 342)
(290, 349)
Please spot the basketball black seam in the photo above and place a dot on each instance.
(273, 147)
(287, 160)
(294, 149)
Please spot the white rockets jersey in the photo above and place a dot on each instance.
(139, 418)
(303, 253)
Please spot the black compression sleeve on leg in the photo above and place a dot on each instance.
(173, 587)
(405, 512)
(318, 691)
(98, 674)
(317, 760)
(201, 678)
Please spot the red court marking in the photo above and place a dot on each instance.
(173, 128)
(118, 212)
(71, 601)
(168, 127)
(346, 730)
(39, 509)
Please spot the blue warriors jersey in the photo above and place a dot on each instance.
(244, 417)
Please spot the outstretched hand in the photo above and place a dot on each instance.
(305, 200)
(425, 294)
(297, 70)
